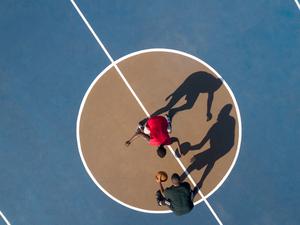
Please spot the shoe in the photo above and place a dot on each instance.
(159, 202)
(169, 123)
(168, 118)
(140, 127)
(167, 203)
(159, 198)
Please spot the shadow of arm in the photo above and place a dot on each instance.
(202, 143)
(175, 140)
(210, 99)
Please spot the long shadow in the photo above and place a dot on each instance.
(195, 84)
(221, 139)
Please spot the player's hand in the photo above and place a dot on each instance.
(157, 179)
(127, 143)
(138, 131)
(209, 116)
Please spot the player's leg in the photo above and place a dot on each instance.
(161, 200)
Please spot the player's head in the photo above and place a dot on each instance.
(175, 179)
(225, 112)
(161, 151)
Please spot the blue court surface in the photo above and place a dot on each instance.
(49, 58)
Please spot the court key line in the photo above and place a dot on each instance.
(141, 104)
(4, 218)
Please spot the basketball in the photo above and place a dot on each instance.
(162, 176)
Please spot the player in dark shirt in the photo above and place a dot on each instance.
(178, 197)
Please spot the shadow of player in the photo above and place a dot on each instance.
(192, 86)
(221, 138)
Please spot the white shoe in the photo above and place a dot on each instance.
(140, 127)
(169, 129)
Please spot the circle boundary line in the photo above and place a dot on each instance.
(111, 65)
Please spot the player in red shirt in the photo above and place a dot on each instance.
(156, 133)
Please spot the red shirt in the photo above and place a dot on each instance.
(159, 135)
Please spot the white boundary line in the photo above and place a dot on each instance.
(4, 218)
(82, 106)
(148, 51)
(109, 57)
(298, 4)
(114, 64)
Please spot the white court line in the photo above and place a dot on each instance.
(298, 4)
(194, 183)
(134, 54)
(141, 104)
(4, 218)
(109, 57)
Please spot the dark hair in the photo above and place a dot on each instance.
(161, 151)
(175, 176)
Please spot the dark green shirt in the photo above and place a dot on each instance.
(180, 198)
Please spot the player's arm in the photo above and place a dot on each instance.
(137, 134)
(161, 187)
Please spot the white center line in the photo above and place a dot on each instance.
(298, 4)
(141, 104)
(110, 58)
(4, 218)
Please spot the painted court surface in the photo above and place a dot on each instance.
(110, 114)
(67, 110)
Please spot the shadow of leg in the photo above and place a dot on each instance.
(184, 175)
(188, 105)
(143, 121)
(167, 107)
(206, 172)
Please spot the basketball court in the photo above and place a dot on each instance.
(77, 82)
